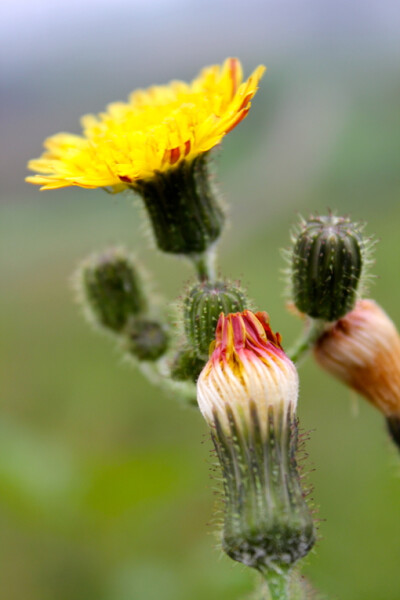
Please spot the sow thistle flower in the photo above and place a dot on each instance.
(363, 350)
(247, 393)
(157, 144)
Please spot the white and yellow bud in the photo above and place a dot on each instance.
(363, 350)
(247, 370)
(247, 393)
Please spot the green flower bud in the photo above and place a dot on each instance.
(202, 307)
(111, 288)
(186, 366)
(185, 215)
(147, 339)
(327, 261)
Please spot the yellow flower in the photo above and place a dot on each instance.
(155, 131)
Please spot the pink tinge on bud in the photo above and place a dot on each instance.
(363, 350)
(246, 366)
(244, 334)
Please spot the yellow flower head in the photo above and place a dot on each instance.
(155, 131)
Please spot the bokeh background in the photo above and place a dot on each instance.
(105, 491)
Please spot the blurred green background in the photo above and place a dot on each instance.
(105, 491)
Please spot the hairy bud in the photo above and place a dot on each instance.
(202, 308)
(111, 289)
(247, 393)
(326, 265)
(186, 366)
(147, 339)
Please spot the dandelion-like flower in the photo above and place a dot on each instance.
(247, 392)
(157, 144)
(155, 131)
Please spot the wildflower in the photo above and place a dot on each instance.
(156, 144)
(363, 350)
(155, 131)
(247, 393)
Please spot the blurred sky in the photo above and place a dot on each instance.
(60, 60)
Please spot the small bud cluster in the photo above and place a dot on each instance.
(112, 292)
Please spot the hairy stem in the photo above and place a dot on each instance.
(277, 585)
(205, 265)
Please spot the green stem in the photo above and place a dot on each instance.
(277, 584)
(306, 341)
(205, 265)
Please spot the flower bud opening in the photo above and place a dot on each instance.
(247, 392)
(363, 350)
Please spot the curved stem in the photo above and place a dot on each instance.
(306, 341)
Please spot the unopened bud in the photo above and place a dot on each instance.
(363, 350)
(326, 265)
(147, 339)
(202, 308)
(111, 288)
(247, 393)
(186, 366)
